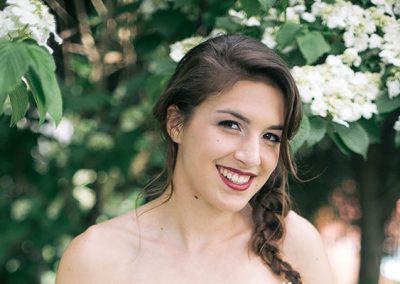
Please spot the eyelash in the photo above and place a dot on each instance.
(233, 125)
(229, 123)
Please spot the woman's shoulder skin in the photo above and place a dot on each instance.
(91, 256)
(303, 249)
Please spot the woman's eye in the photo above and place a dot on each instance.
(229, 124)
(272, 137)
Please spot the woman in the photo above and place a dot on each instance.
(223, 215)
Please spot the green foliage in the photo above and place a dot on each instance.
(287, 34)
(312, 45)
(14, 62)
(302, 134)
(36, 65)
(354, 138)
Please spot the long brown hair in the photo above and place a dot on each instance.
(210, 68)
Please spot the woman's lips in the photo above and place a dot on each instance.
(235, 179)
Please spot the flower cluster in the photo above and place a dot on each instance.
(375, 27)
(23, 19)
(333, 89)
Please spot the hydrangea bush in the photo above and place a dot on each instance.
(26, 64)
(345, 59)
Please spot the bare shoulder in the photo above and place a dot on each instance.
(304, 250)
(89, 256)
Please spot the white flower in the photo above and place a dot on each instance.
(268, 37)
(28, 19)
(180, 48)
(397, 124)
(308, 17)
(375, 41)
(241, 17)
(334, 90)
(393, 86)
(351, 57)
(252, 22)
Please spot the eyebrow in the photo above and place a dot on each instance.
(246, 120)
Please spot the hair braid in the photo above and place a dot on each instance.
(270, 206)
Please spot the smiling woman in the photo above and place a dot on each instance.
(222, 214)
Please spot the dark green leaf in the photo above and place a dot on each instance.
(14, 62)
(227, 24)
(354, 137)
(43, 65)
(266, 4)
(312, 45)
(397, 139)
(170, 23)
(37, 93)
(317, 130)
(301, 135)
(339, 143)
(19, 102)
(145, 44)
(385, 104)
(287, 34)
(372, 128)
(251, 7)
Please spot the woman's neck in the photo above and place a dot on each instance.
(194, 225)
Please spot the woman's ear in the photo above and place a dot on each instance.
(174, 123)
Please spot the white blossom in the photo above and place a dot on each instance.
(397, 124)
(23, 19)
(268, 37)
(308, 17)
(391, 7)
(375, 41)
(241, 17)
(393, 85)
(180, 48)
(334, 90)
(361, 26)
(351, 57)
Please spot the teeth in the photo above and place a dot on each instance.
(234, 177)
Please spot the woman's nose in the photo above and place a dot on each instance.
(248, 152)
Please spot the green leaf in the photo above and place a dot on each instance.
(267, 4)
(287, 34)
(317, 130)
(372, 128)
(312, 45)
(386, 104)
(19, 102)
(339, 143)
(14, 62)
(251, 7)
(301, 135)
(397, 139)
(37, 93)
(44, 67)
(227, 24)
(354, 137)
(169, 22)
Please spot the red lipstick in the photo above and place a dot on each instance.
(231, 184)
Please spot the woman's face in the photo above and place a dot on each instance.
(230, 146)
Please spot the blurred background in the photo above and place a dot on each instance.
(115, 60)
